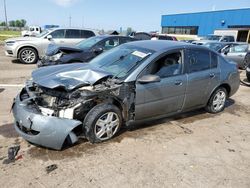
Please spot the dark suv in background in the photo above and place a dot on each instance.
(84, 51)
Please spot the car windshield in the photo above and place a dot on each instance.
(212, 37)
(121, 60)
(214, 46)
(42, 34)
(88, 43)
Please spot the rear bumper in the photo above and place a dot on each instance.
(47, 131)
(234, 82)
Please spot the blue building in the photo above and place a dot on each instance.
(204, 23)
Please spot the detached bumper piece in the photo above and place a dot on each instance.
(33, 126)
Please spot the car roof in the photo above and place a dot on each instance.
(112, 36)
(56, 28)
(158, 45)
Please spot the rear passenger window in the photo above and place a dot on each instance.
(125, 40)
(72, 33)
(87, 34)
(198, 60)
(214, 60)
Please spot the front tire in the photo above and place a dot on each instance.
(102, 123)
(217, 101)
(246, 61)
(28, 55)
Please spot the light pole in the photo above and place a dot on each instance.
(6, 20)
(69, 20)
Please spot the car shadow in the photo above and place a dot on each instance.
(133, 131)
(16, 61)
(184, 118)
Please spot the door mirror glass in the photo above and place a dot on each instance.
(49, 37)
(149, 79)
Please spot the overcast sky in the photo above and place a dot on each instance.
(109, 14)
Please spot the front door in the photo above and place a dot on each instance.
(237, 54)
(164, 97)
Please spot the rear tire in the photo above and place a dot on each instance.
(102, 123)
(248, 76)
(28, 55)
(217, 101)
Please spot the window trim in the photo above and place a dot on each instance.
(212, 53)
(187, 60)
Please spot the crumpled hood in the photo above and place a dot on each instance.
(68, 77)
(53, 49)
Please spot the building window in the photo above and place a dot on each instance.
(183, 30)
(239, 26)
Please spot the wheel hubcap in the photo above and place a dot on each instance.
(28, 56)
(107, 125)
(219, 100)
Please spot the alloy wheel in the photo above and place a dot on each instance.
(28, 56)
(219, 100)
(107, 125)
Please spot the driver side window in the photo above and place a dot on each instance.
(238, 49)
(58, 34)
(167, 66)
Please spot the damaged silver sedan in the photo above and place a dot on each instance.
(133, 82)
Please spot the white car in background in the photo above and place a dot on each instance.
(29, 49)
(32, 31)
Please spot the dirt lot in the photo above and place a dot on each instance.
(196, 149)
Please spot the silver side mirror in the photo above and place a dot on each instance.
(49, 37)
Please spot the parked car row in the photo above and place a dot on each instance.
(59, 46)
(231, 50)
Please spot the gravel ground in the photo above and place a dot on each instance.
(194, 149)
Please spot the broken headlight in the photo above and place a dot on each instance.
(56, 57)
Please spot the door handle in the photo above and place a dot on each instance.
(178, 82)
(211, 75)
(240, 55)
(61, 41)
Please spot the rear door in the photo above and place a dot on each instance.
(199, 76)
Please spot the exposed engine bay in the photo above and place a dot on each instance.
(75, 104)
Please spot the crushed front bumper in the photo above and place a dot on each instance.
(46, 62)
(47, 131)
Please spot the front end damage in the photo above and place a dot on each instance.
(54, 117)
